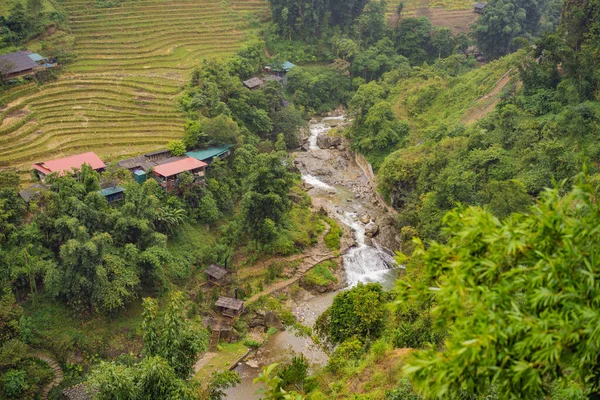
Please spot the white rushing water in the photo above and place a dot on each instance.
(362, 263)
(316, 182)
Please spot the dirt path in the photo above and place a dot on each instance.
(485, 104)
(314, 256)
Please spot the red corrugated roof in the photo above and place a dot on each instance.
(67, 164)
(179, 166)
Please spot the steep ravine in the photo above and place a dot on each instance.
(337, 186)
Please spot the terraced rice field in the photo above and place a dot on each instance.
(119, 98)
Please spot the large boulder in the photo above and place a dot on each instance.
(335, 141)
(323, 140)
(371, 229)
(365, 218)
(271, 321)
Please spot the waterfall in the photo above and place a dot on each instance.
(362, 263)
(365, 263)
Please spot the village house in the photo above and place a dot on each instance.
(65, 165)
(167, 174)
(280, 71)
(21, 63)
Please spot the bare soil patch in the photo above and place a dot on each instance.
(13, 117)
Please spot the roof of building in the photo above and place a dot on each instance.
(158, 152)
(179, 166)
(480, 5)
(253, 83)
(16, 62)
(287, 66)
(35, 57)
(228, 302)
(29, 194)
(209, 152)
(135, 162)
(111, 190)
(215, 271)
(67, 164)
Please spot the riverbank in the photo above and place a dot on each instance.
(339, 187)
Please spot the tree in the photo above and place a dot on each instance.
(219, 381)
(502, 21)
(221, 130)
(358, 312)
(267, 197)
(517, 297)
(176, 147)
(170, 336)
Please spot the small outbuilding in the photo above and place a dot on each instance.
(479, 7)
(209, 154)
(229, 307)
(253, 83)
(113, 193)
(33, 192)
(216, 274)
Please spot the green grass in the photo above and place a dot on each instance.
(229, 353)
(6, 5)
(321, 275)
(333, 237)
(56, 327)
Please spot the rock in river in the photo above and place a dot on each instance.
(371, 229)
(365, 218)
(323, 140)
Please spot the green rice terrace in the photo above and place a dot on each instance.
(119, 97)
(133, 59)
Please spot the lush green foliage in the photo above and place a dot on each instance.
(517, 298)
(358, 312)
(171, 347)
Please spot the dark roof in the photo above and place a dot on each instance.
(253, 83)
(480, 5)
(158, 152)
(111, 190)
(228, 302)
(32, 192)
(215, 271)
(135, 162)
(13, 63)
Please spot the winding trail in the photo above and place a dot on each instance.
(314, 256)
(58, 374)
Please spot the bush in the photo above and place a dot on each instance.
(176, 147)
(333, 237)
(253, 344)
(320, 275)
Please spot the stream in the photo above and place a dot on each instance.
(337, 185)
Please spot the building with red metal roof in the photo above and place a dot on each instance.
(69, 164)
(168, 173)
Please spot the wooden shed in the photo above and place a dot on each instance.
(229, 307)
(479, 7)
(215, 273)
(253, 83)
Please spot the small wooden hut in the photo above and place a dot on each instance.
(229, 307)
(216, 274)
